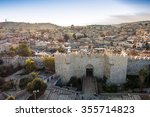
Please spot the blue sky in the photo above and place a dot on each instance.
(77, 12)
(138, 1)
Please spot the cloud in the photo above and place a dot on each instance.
(77, 12)
(117, 19)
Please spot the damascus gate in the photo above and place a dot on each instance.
(111, 66)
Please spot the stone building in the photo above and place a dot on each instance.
(5, 47)
(112, 66)
(115, 67)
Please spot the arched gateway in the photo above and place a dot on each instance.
(89, 70)
(94, 65)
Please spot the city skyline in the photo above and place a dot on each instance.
(76, 12)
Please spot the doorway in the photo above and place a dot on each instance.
(89, 70)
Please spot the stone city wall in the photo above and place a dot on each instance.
(68, 65)
(15, 61)
(136, 64)
(117, 69)
(113, 66)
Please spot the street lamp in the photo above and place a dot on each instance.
(35, 92)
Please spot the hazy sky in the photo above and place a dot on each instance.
(77, 12)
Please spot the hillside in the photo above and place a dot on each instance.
(138, 31)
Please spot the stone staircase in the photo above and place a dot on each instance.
(89, 85)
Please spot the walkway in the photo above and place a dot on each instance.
(89, 85)
(57, 93)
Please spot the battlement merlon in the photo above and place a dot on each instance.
(106, 53)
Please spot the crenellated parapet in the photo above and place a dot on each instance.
(138, 58)
(90, 54)
(18, 60)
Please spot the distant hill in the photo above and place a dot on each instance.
(138, 31)
(17, 25)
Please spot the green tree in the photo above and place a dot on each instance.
(61, 50)
(10, 98)
(23, 50)
(36, 84)
(34, 74)
(24, 82)
(143, 73)
(102, 35)
(49, 63)
(13, 51)
(74, 36)
(110, 88)
(30, 65)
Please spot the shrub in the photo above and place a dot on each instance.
(61, 50)
(132, 82)
(30, 65)
(6, 70)
(23, 82)
(72, 82)
(110, 88)
(7, 86)
(34, 74)
(36, 84)
(49, 63)
(75, 82)
(23, 50)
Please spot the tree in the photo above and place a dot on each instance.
(143, 73)
(75, 82)
(10, 98)
(30, 65)
(110, 88)
(74, 36)
(66, 37)
(36, 84)
(133, 82)
(49, 63)
(24, 82)
(23, 50)
(1, 61)
(34, 74)
(102, 35)
(13, 51)
(6, 85)
(61, 50)
(147, 46)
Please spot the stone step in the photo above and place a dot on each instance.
(89, 85)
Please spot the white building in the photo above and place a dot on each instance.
(5, 47)
(114, 67)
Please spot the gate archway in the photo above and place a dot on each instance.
(89, 70)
